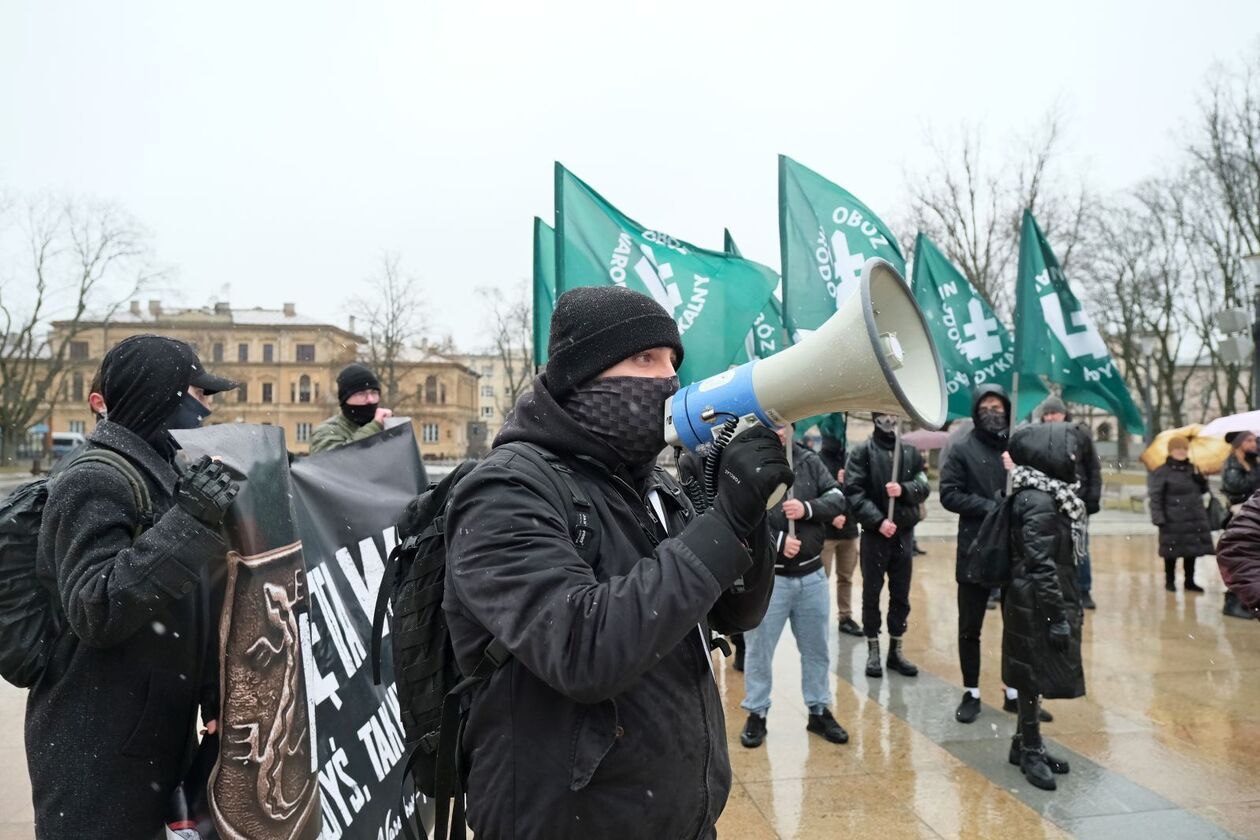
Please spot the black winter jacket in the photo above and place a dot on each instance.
(1176, 492)
(1043, 588)
(607, 721)
(1238, 555)
(1238, 483)
(112, 721)
(1088, 471)
(833, 459)
(824, 501)
(869, 468)
(973, 479)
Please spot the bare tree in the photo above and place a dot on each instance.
(511, 328)
(72, 256)
(395, 322)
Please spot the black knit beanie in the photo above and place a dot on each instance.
(595, 327)
(355, 378)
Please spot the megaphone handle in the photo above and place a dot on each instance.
(896, 471)
(791, 522)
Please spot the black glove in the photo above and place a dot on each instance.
(752, 467)
(206, 491)
(1060, 635)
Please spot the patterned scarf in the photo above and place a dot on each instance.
(1065, 499)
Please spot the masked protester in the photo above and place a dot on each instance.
(361, 416)
(606, 719)
(840, 549)
(1240, 479)
(110, 723)
(886, 543)
(1089, 484)
(800, 596)
(1041, 614)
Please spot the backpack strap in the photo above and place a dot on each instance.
(583, 525)
(139, 487)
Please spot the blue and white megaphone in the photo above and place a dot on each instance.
(874, 354)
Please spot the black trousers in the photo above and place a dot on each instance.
(973, 602)
(894, 559)
(1170, 567)
(1030, 720)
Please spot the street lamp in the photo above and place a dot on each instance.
(1146, 346)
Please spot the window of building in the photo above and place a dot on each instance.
(431, 389)
(431, 433)
(268, 392)
(303, 432)
(78, 350)
(487, 370)
(487, 411)
(76, 387)
(306, 352)
(487, 390)
(216, 351)
(78, 427)
(316, 392)
(242, 393)
(269, 352)
(304, 389)
(242, 352)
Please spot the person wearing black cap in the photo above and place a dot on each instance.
(361, 415)
(125, 543)
(605, 720)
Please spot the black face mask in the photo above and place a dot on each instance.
(360, 415)
(188, 414)
(994, 422)
(625, 412)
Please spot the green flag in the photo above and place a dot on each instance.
(1055, 338)
(767, 336)
(825, 237)
(713, 296)
(975, 347)
(544, 287)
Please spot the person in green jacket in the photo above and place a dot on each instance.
(359, 392)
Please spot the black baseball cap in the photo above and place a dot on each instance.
(209, 382)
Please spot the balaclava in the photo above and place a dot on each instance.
(992, 423)
(885, 428)
(144, 380)
(625, 412)
(353, 379)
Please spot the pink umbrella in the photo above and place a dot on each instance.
(924, 439)
(1248, 421)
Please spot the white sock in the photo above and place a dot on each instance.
(1012, 694)
(974, 692)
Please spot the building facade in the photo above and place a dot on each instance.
(500, 382)
(287, 364)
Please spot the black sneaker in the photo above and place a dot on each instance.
(850, 627)
(826, 726)
(1087, 602)
(1057, 766)
(1191, 586)
(969, 709)
(754, 731)
(1036, 769)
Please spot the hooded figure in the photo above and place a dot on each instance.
(110, 725)
(607, 691)
(361, 415)
(973, 481)
(1041, 631)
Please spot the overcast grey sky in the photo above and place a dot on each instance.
(279, 147)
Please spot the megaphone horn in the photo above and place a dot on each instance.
(874, 354)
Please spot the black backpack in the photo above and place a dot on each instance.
(29, 615)
(432, 693)
(988, 558)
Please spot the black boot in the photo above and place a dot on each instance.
(850, 627)
(1036, 769)
(897, 662)
(1170, 574)
(1188, 565)
(873, 668)
(1058, 766)
(754, 731)
(738, 640)
(969, 709)
(1233, 609)
(825, 725)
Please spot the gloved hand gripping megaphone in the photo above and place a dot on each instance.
(874, 354)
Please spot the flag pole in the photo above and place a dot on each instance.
(1011, 428)
(896, 469)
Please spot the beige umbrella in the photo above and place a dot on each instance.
(1207, 452)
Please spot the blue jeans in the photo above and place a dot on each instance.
(1085, 575)
(802, 600)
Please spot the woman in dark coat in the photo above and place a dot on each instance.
(1176, 492)
(1041, 636)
